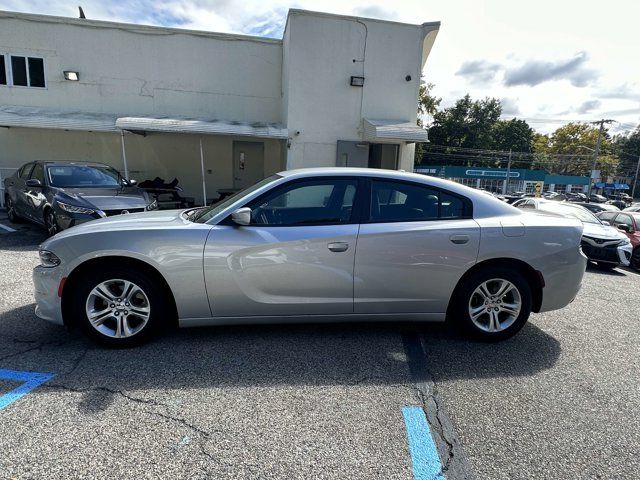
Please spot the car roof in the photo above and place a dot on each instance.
(484, 204)
(74, 162)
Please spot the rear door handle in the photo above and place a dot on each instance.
(459, 239)
(338, 246)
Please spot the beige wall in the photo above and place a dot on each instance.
(163, 155)
(320, 104)
(138, 70)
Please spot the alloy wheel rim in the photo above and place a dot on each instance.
(118, 308)
(10, 210)
(52, 225)
(495, 305)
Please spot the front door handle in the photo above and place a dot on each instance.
(459, 239)
(338, 246)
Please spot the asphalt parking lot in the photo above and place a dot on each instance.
(559, 400)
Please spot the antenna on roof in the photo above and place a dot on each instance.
(81, 12)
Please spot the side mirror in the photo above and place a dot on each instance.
(132, 181)
(606, 222)
(242, 216)
(34, 183)
(624, 228)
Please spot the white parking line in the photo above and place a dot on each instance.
(8, 229)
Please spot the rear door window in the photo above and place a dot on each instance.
(393, 201)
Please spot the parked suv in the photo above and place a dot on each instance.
(629, 224)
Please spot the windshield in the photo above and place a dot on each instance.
(205, 214)
(70, 176)
(575, 211)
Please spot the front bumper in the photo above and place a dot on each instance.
(48, 304)
(613, 254)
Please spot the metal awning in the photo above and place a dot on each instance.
(196, 126)
(394, 130)
(30, 117)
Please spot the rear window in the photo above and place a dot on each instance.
(409, 202)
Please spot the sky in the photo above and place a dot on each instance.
(549, 61)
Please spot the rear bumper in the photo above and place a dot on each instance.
(48, 304)
(563, 283)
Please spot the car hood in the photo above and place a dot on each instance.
(605, 232)
(155, 220)
(105, 198)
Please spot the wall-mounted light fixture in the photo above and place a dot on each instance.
(71, 76)
(357, 81)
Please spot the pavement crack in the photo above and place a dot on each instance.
(142, 401)
(427, 393)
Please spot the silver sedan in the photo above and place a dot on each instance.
(314, 245)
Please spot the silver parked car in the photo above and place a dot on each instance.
(314, 245)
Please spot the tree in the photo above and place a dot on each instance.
(467, 124)
(515, 135)
(569, 147)
(627, 149)
(427, 105)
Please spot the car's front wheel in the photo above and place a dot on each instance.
(493, 304)
(51, 222)
(119, 307)
(11, 211)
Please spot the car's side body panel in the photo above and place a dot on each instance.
(263, 271)
(163, 239)
(412, 267)
(550, 245)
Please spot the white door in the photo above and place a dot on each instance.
(296, 257)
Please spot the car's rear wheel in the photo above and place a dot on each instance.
(119, 307)
(11, 211)
(493, 304)
(51, 222)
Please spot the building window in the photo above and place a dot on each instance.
(3, 71)
(36, 72)
(19, 70)
(25, 72)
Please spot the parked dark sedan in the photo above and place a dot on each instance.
(59, 195)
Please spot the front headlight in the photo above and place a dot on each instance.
(153, 205)
(48, 259)
(623, 242)
(73, 209)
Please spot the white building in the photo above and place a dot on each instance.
(217, 111)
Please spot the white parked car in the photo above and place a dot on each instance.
(601, 243)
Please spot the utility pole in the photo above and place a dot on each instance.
(635, 179)
(595, 153)
(506, 182)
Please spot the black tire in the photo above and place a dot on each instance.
(156, 302)
(464, 297)
(51, 222)
(11, 212)
(635, 258)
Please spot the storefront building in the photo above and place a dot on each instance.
(217, 111)
(520, 180)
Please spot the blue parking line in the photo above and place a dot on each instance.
(31, 380)
(424, 454)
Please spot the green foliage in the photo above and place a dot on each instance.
(568, 151)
